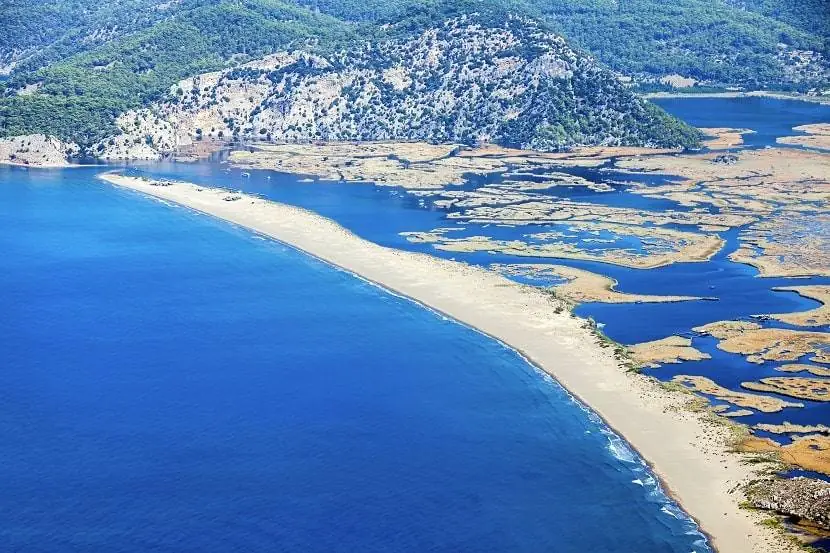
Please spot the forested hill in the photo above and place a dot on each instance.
(79, 96)
(37, 33)
(466, 80)
(780, 44)
(75, 66)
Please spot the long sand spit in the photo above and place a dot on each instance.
(686, 449)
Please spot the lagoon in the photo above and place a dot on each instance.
(381, 213)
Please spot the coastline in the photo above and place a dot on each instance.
(36, 150)
(63, 165)
(66, 165)
(750, 94)
(685, 449)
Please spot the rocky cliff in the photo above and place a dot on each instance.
(36, 150)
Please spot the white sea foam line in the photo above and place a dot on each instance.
(593, 416)
(620, 448)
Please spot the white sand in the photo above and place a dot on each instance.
(685, 449)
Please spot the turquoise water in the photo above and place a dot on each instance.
(173, 383)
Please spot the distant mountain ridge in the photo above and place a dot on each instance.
(462, 82)
(781, 44)
(78, 97)
(76, 66)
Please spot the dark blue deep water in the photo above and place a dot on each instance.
(172, 383)
(381, 213)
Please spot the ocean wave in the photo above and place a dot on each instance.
(672, 511)
(620, 450)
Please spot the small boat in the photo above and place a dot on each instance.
(246, 174)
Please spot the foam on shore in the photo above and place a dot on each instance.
(685, 449)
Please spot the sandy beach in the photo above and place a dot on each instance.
(686, 448)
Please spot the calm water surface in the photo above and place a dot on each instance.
(380, 214)
(173, 383)
(769, 118)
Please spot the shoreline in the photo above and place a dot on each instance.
(67, 165)
(685, 449)
(751, 94)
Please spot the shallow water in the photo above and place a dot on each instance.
(173, 383)
(379, 214)
(770, 118)
(402, 453)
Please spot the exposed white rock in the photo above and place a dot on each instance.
(460, 82)
(36, 150)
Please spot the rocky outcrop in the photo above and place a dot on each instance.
(513, 83)
(36, 150)
(807, 499)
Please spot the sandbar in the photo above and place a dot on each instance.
(799, 367)
(722, 138)
(584, 286)
(685, 448)
(820, 316)
(673, 349)
(765, 404)
(789, 244)
(660, 246)
(810, 452)
(813, 389)
(817, 136)
(791, 428)
(785, 192)
(768, 344)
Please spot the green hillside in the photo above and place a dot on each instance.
(76, 64)
(723, 42)
(708, 40)
(812, 16)
(79, 97)
(34, 34)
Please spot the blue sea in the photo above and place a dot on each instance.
(172, 383)
(381, 213)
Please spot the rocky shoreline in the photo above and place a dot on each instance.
(37, 150)
(806, 500)
(824, 99)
